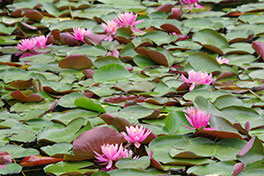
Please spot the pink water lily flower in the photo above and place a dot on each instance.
(198, 119)
(136, 134)
(128, 20)
(26, 45)
(112, 153)
(110, 29)
(192, 3)
(221, 60)
(198, 78)
(41, 42)
(79, 33)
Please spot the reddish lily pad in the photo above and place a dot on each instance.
(259, 48)
(91, 141)
(38, 160)
(76, 61)
(26, 98)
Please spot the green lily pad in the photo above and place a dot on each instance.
(89, 104)
(111, 72)
(62, 168)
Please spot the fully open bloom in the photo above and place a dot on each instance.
(136, 134)
(197, 118)
(26, 45)
(112, 153)
(222, 61)
(197, 78)
(41, 42)
(110, 29)
(128, 20)
(192, 3)
(79, 33)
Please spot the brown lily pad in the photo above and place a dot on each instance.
(21, 84)
(217, 134)
(76, 61)
(34, 15)
(52, 91)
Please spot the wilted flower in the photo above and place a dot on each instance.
(26, 45)
(5, 158)
(114, 53)
(41, 42)
(79, 33)
(222, 61)
(192, 3)
(197, 78)
(136, 134)
(128, 20)
(197, 118)
(112, 153)
(110, 29)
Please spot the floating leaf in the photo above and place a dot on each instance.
(26, 98)
(90, 141)
(76, 61)
(89, 104)
(111, 72)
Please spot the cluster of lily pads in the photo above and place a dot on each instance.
(110, 87)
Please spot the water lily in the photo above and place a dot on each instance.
(112, 153)
(198, 78)
(79, 33)
(136, 134)
(198, 119)
(192, 3)
(110, 29)
(41, 42)
(128, 20)
(221, 60)
(26, 44)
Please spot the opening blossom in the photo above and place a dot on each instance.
(222, 61)
(79, 33)
(136, 134)
(197, 118)
(198, 78)
(26, 44)
(128, 20)
(192, 3)
(112, 153)
(110, 29)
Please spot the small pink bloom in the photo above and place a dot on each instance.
(79, 33)
(192, 3)
(41, 42)
(136, 134)
(110, 29)
(112, 153)
(26, 45)
(222, 61)
(197, 78)
(114, 53)
(128, 20)
(197, 118)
